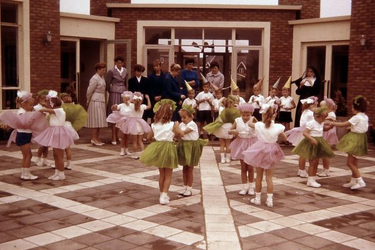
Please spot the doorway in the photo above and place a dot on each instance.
(69, 70)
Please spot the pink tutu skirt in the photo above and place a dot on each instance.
(330, 136)
(295, 135)
(134, 126)
(116, 117)
(239, 145)
(60, 137)
(263, 154)
(222, 132)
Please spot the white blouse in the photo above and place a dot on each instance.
(163, 132)
(193, 135)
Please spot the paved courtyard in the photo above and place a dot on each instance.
(110, 201)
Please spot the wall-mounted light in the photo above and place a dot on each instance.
(363, 40)
(48, 38)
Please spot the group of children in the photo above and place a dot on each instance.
(49, 120)
(247, 131)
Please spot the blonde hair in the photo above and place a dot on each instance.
(175, 67)
(163, 114)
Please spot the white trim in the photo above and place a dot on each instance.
(199, 6)
(90, 17)
(320, 20)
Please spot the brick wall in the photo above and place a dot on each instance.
(44, 59)
(99, 8)
(361, 78)
(281, 32)
(310, 8)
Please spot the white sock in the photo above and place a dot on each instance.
(359, 179)
(269, 196)
(257, 195)
(68, 162)
(189, 188)
(228, 155)
(245, 186)
(22, 171)
(222, 155)
(310, 179)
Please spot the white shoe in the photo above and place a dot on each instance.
(358, 184)
(54, 175)
(27, 176)
(324, 173)
(127, 152)
(303, 174)
(350, 184)
(313, 183)
(187, 193)
(122, 152)
(114, 142)
(255, 201)
(59, 177)
(251, 189)
(134, 156)
(269, 203)
(53, 166)
(227, 159)
(46, 162)
(183, 191)
(68, 167)
(164, 199)
(243, 191)
(39, 162)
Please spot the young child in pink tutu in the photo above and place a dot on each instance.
(245, 137)
(42, 151)
(330, 136)
(119, 116)
(135, 125)
(25, 124)
(355, 142)
(58, 135)
(313, 146)
(265, 152)
(189, 148)
(295, 135)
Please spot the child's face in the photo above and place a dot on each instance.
(191, 94)
(206, 88)
(245, 116)
(219, 94)
(256, 91)
(215, 69)
(126, 99)
(185, 117)
(320, 118)
(273, 92)
(28, 105)
(157, 67)
(235, 92)
(285, 92)
(66, 99)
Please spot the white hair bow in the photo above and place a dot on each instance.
(264, 108)
(21, 93)
(307, 100)
(52, 94)
(137, 98)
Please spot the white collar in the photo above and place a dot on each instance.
(138, 78)
(120, 71)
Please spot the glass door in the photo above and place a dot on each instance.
(70, 66)
(246, 69)
(163, 54)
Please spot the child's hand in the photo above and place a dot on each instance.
(114, 107)
(314, 142)
(147, 97)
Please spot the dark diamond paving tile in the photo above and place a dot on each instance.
(4, 237)
(52, 225)
(25, 232)
(337, 247)
(164, 244)
(187, 225)
(161, 219)
(92, 239)
(9, 225)
(356, 219)
(140, 238)
(291, 245)
(115, 245)
(65, 245)
(289, 233)
(265, 239)
(314, 242)
(116, 232)
(76, 219)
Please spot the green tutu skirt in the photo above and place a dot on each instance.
(213, 126)
(308, 151)
(354, 144)
(189, 152)
(161, 154)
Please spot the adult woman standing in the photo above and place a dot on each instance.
(156, 80)
(307, 85)
(215, 76)
(115, 85)
(172, 90)
(96, 103)
(190, 76)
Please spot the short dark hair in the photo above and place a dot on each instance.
(360, 104)
(119, 58)
(189, 60)
(139, 68)
(205, 83)
(100, 65)
(214, 64)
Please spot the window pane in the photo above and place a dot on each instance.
(189, 39)
(158, 36)
(247, 71)
(9, 56)
(316, 57)
(8, 13)
(215, 40)
(9, 99)
(246, 37)
(339, 78)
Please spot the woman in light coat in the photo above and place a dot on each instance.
(96, 103)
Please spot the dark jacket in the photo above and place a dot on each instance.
(171, 89)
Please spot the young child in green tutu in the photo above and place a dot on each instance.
(355, 142)
(189, 149)
(313, 146)
(162, 153)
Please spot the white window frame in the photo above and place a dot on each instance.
(23, 47)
